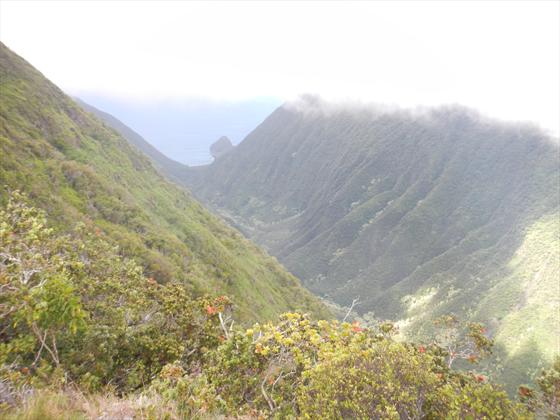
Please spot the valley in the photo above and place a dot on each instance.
(417, 214)
(342, 261)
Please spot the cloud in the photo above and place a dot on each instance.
(315, 106)
(500, 57)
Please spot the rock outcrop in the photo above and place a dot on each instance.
(220, 147)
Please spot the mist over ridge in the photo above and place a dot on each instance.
(184, 129)
(316, 104)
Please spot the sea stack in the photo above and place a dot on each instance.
(220, 147)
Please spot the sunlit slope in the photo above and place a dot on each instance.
(167, 166)
(78, 169)
(416, 214)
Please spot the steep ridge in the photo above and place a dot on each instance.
(80, 170)
(164, 164)
(417, 213)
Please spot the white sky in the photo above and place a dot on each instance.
(502, 58)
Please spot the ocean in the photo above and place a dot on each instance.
(184, 129)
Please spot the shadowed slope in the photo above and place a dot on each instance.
(418, 214)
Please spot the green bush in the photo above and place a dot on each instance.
(302, 368)
(72, 302)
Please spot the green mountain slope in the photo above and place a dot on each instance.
(418, 214)
(78, 169)
(164, 164)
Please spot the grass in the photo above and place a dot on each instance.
(72, 404)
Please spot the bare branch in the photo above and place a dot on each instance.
(269, 401)
(354, 303)
(40, 350)
(223, 325)
(52, 352)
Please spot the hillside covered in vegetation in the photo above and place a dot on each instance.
(119, 296)
(417, 214)
(78, 169)
(84, 334)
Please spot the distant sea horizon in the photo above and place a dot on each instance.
(184, 130)
(198, 155)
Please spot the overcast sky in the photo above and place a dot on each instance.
(502, 58)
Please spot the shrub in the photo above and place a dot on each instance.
(302, 368)
(71, 302)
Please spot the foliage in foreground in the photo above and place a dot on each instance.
(71, 306)
(309, 369)
(76, 317)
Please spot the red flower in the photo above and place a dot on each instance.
(480, 378)
(222, 299)
(356, 327)
(524, 391)
(422, 349)
(211, 310)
